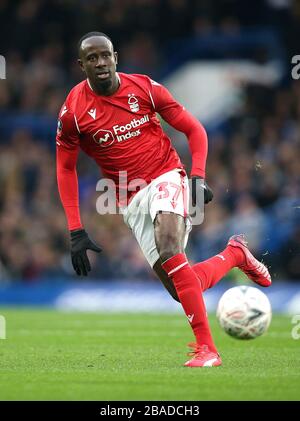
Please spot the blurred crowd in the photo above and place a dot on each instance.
(253, 165)
(39, 38)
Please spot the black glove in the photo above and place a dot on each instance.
(198, 184)
(80, 243)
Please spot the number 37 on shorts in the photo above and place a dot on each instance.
(172, 196)
(171, 193)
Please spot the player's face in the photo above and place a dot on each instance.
(99, 61)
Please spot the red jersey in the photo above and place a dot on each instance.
(121, 132)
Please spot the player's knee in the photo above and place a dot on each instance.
(168, 246)
(166, 254)
(169, 232)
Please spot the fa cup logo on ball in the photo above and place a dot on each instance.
(133, 103)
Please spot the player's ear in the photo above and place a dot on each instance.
(116, 57)
(79, 61)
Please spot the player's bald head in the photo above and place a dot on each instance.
(93, 38)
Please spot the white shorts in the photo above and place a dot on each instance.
(167, 193)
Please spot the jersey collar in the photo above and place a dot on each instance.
(119, 79)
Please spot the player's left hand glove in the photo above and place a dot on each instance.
(80, 243)
(202, 189)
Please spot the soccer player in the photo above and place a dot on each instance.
(111, 116)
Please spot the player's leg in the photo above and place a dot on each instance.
(209, 272)
(140, 216)
(236, 254)
(169, 232)
(212, 270)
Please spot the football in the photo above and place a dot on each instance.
(244, 312)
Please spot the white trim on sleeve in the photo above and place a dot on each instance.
(76, 124)
(151, 99)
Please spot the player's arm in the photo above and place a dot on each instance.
(182, 120)
(197, 139)
(67, 147)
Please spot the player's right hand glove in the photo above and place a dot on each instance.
(80, 243)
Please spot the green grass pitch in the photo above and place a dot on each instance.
(50, 355)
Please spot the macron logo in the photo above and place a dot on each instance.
(190, 317)
(92, 113)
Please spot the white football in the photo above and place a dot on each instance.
(244, 312)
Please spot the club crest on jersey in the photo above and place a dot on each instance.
(104, 138)
(133, 103)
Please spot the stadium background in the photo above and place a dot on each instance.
(253, 127)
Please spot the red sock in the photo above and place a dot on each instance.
(212, 270)
(189, 292)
